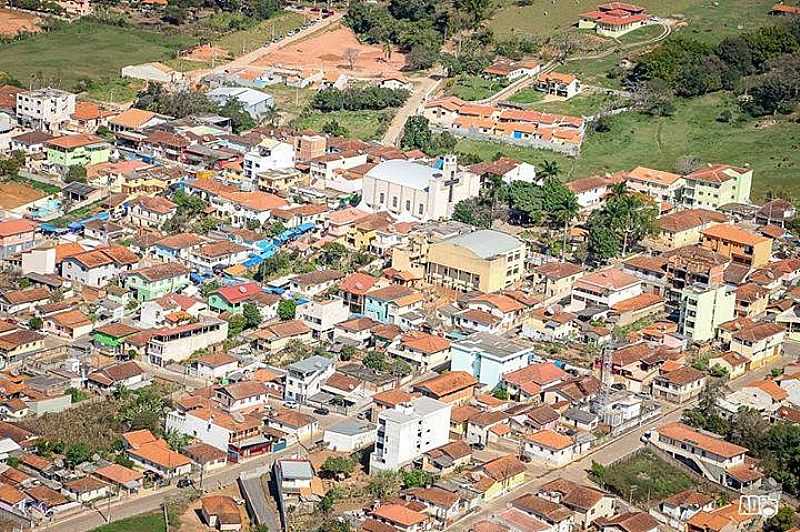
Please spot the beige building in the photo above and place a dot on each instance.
(484, 260)
(684, 228)
(761, 344)
(555, 279)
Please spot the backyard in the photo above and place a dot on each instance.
(642, 477)
(85, 50)
(771, 147)
(471, 88)
(364, 125)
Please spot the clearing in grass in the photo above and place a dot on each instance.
(364, 125)
(472, 88)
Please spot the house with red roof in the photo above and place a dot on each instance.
(422, 350)
(17, 236)
(614, 19)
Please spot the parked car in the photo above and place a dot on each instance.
(291, 404)
(322, 411)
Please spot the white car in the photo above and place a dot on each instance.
(647, 436)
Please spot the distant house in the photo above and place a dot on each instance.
(558, 84)
(221, 512)
(124, 375)
(614, 19)
(254, 102)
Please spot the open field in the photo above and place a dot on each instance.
(328, 50)
(114, 90)
(471, 88)
(772, 148)
(586, 103)
(703, 16)
(13, 22)
(527, 96)
(290, 101)
(645, 477)
(365, 125)
(85, 49)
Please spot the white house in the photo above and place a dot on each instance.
(408, 430)
(45, 109)
(86, 489)
(242, 395)
(178, 343)
(305, 377)
(350, 435)
(269, 154)
(553, 448)
(487, 357)
(213, 365)
(254, 102)
(149, 211)
(605, 288)
(323, 316)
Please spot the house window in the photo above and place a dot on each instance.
(421, 209)
(394, 202)
(382, 198)
(408, 205)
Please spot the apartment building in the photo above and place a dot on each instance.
(487, 357)
(268, 155)
(45, 109)
(407, 431)
(178, 343)
(663, 187)
(761, 343)
(715, 185)
(738, 244)
(485, 260)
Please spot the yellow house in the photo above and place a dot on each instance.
(739, 245)
(484, 260)
(499, 476)
(684, 228)
(361, 234)
(734, 364)
(761, 343)
(555, 279)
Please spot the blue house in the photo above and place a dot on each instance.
(489, 356)
(387, 305)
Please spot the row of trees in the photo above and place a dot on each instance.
(763, 65)
(370, 98)
(418, 27)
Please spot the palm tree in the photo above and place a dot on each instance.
(549, 169)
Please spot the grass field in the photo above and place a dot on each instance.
(153, 522)
(114, 89)
(584, 104)
(595, 71)
(526, 96)
(642, 34)
(364, 125)
(707, 19)
(772, 149)
(471, 88)
(290, 101)
(645, 477)
(244, 41)
(83, 50)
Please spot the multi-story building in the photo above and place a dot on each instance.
(407, 431)
(45, 109)
(76, 150)
(487, 357)
(149, 211)
(605, 288)
(484, 260)
(715, 185)
(738, 244)
(696, 294)
(761, 343)
(178, 343)
(323, 316)
(663, 187)
(305, 378)
(684, 228)
(157, 280)
(716, 459)
(268, 155)
(17, 236)
(415, 191)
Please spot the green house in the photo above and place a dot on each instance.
(77, 150)
(233, 298)
(112, 335)
(156, 281)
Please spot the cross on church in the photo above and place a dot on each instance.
(452, 182)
